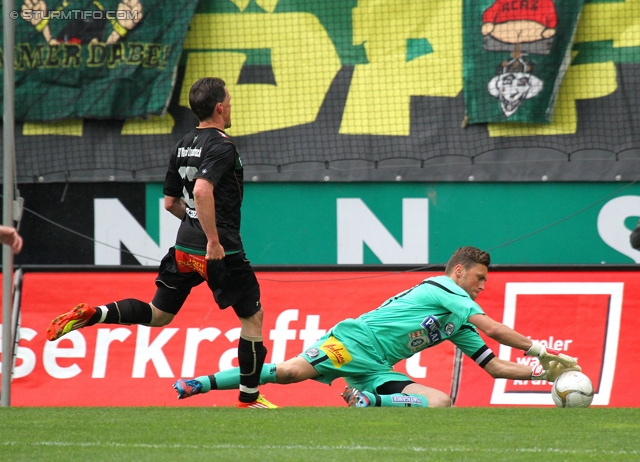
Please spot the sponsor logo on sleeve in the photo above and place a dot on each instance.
(432, 326)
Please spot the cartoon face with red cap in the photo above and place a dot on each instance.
(520, 21)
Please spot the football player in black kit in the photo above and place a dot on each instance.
(203, 187)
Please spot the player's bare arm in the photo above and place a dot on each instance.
(175, 205)
(501, 369)
(499, 332)
(507, 336)
(497, 367)
(206, 209)
(552, 363)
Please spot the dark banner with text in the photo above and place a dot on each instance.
(310, 78)
(106, 59)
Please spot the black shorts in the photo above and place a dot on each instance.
(231, 280)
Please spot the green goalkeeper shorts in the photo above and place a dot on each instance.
(348, 351)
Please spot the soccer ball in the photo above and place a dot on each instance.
(572, 389)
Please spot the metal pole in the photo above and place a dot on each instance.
(8, 145)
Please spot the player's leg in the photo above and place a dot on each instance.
(159, 312)
(251, 373)
(382, 389)
(290, 371)
(166, 303)
(295, 370)
(251, 349)
(314, 363)
(172, 290)
(233, 283)
(127, 312)
(392, 389)
(357, 398)
(435, 398)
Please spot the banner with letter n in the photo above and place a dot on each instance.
(96, 58)
(515, 55)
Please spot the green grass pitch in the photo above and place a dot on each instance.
(318, 433)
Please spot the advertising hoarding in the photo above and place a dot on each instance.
(588, 314)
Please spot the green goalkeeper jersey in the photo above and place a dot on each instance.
(433, 311)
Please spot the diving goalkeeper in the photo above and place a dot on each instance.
(364, 350)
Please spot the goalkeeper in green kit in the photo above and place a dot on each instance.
(364, 350)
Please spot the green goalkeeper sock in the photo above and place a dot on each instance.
(268, 374)
(206, 383)
(230, 379)
(400, 400)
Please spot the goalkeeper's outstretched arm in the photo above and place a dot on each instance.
(500, 333)
(507, 336)
(552, 363)
(501, 369)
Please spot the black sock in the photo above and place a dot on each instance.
(129, 311)
(95, 318)
(251, 356)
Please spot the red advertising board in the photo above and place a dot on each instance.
(589, 314)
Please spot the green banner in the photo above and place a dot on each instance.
(96, 58)
(345, 223)
(416, 223)
(515, 55)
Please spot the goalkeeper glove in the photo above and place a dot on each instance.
(545, 355)
(552, 371)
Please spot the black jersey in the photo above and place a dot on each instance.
(210, 154)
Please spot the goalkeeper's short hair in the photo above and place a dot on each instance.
(468, 257)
